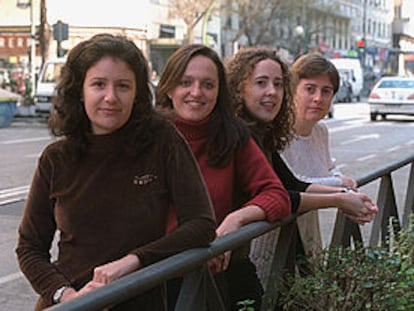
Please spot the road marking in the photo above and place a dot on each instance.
(33, 155)
(11, 277)
(409, 143)
(367, 157)
(392, 149)
(351, 124)
(359, 138)
(341, 166)
(25, 140)
(12, 195)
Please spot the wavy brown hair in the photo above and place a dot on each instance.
(239, 69)
(69, 117)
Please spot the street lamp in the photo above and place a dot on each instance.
(23, 4)
(299, 33)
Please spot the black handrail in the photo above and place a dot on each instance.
(148, 277)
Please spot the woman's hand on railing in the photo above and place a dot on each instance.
(358, 207)
(70, 293)
(348, 182)
(116, 269)
(232, 222)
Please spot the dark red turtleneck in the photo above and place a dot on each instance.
(249, 170)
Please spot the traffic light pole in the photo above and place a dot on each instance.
(364, 33)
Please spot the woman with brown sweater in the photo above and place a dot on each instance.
(108, 185)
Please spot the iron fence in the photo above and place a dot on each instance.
(199, 291)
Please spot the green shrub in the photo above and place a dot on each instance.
(359, 278)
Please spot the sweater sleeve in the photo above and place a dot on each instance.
(189, 196)
(36, 233)
(289, 180)
(258, 179)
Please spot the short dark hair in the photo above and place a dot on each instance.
(312, 65)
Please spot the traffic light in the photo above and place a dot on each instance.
(361, 44)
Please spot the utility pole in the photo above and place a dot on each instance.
(364, 33)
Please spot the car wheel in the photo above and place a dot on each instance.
(384, 116)
(373, 117)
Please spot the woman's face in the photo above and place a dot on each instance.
(195, 97)
(109, 92)
(263, 90)
(313, 97)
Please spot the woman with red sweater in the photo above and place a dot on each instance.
(242, 185)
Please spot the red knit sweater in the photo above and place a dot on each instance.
(248, 170)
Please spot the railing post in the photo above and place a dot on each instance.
(283, 258)
(343, 231)
(409, 199)
(198, 291)
(387, 209)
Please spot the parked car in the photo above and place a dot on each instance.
(45, 89)
(344, 94)
(392, 95)
(351, 67)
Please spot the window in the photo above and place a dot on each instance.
(20, 42)
(167, 31)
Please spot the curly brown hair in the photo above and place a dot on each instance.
(239, 68)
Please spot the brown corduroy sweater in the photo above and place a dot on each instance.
(110, 204)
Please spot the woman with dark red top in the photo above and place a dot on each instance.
(242, 185)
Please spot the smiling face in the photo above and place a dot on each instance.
(195, 97)
(313, 98)
(263, 90)
(109, 92)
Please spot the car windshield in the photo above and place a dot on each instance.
(52, 72)
(400, 84)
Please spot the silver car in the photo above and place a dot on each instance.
(392, 95)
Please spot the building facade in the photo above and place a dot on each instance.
(403, 37)
(335, 28)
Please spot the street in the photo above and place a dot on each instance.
(358, 145)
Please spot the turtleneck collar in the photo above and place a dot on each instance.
(109, 142)
(193, 130)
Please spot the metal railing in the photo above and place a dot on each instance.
(199, 291)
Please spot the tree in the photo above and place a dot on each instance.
(44, 32)
(255, 19)
(191, 12)
(272, 22)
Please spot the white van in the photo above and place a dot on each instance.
(352, 68)
(46, 83)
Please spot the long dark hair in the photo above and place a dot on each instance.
(239, 68)
(69, 117)
(226, 133)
